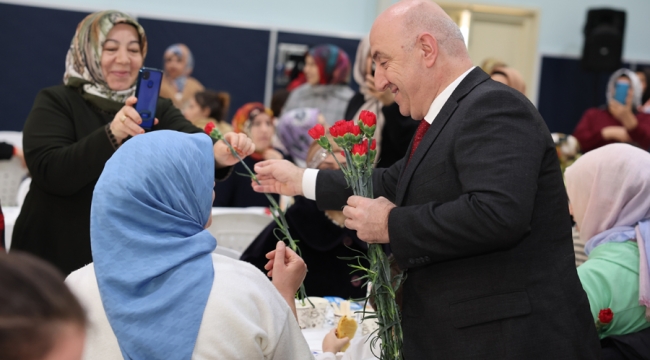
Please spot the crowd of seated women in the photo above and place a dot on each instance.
(123, 213)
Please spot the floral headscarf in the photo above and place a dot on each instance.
(244, 115)
(83, 62)
(333, 64)
(182, 51)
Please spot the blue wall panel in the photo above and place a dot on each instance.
(226, 58)
(34, 42)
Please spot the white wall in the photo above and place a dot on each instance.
(560, 31)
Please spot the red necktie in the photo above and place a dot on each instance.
(419, 134)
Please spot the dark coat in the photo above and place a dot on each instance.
(236, 190)
(321, 243)
(66, 146)
(483, 229)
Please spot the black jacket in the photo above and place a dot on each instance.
(483, 229)
(66, 147)
(322, 243)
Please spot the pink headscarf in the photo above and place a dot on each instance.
(609, 190)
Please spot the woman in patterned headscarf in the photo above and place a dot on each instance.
(177, 84)
(73, 129)
(327, 70)
(256, 121)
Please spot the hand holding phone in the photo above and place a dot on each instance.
(620, 93)
(147, 92)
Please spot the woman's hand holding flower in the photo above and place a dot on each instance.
(240, 142)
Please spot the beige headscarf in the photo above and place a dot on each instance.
(373, 104)
(83, 61)
(515, 80)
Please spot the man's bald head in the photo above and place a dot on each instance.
(417, 17)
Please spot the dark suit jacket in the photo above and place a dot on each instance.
(483, 229)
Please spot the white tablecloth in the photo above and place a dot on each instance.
(11, 214)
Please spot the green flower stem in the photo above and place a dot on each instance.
(384, 288)
(279, 218)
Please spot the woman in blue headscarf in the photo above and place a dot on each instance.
(155, 289)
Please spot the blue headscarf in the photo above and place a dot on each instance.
(150, 249)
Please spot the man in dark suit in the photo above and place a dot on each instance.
(476, 212)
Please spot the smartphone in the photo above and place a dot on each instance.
(620, 94)
(147, 92)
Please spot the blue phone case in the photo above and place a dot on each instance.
(147, 92)
(621, 92)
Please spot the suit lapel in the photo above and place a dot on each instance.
(472, 79)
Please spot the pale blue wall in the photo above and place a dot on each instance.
(353, 17)
(562, 21)
(560, 31)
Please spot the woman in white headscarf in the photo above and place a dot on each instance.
(616, 122)
(394, 131)
(609, 193)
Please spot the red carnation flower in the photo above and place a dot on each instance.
(317, 132)
(355, 130)
(360, 149)
(368, 118)
(209, 127)
(605, 316)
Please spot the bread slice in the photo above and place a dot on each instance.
(347, 327)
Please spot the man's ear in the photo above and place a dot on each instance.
(427, 45)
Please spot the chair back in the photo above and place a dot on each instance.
(237, 228)
(12, 172)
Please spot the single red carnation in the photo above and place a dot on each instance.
(317, 132)
(209, 127)
(334, 131)
(605, 316)
(368, 118)
(373, 145)
(355, 130)
(360, 149)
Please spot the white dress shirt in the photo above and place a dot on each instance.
(309, 177)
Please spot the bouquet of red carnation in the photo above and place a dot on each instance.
(605, 317)
(359, 149)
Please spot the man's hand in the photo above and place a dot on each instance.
(240, 142)
(279, 177)
(369, 217)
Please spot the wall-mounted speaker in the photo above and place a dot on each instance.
(603, 46)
